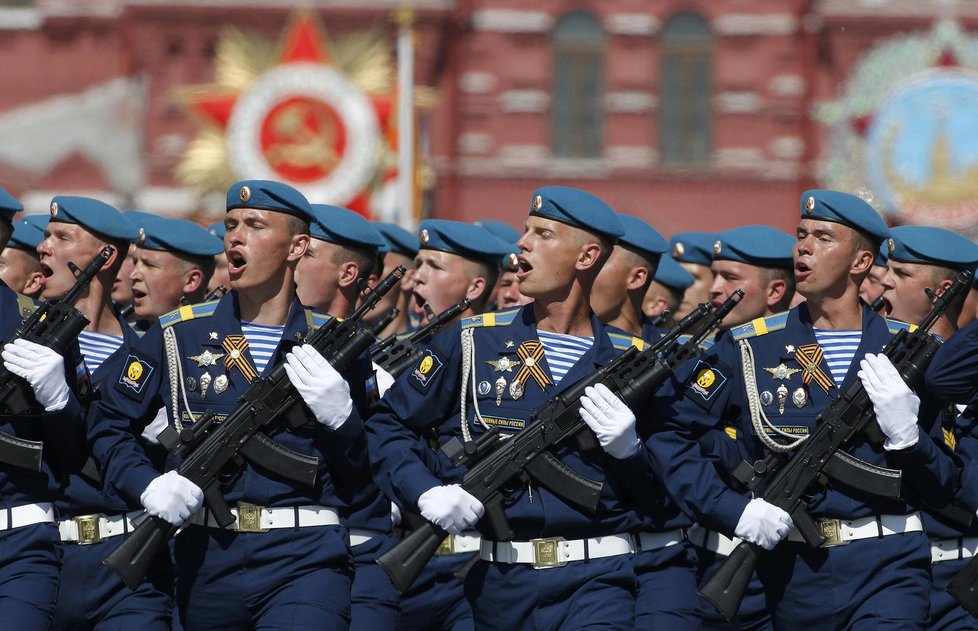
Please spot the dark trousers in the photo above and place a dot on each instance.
(30, 560)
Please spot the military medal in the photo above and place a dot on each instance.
(531, 353)
(782, 398)
(206, 358)
(221, 384)
(205, 383)
(799, 397)
(191, 384)
(500, 388)
(516, 390)
(236, 346)
(504, 364)
(767, 398)
(782, 372)
(808, 357)
(484, 388)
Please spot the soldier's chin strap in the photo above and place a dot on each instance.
(758, 418)
(468, 355)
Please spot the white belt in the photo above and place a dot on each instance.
(712, 540)
(555, 552)
(658, 540)
(839, 532)
(249, 518)
(86, 529)
(953, 549)
(359, 536)
(26, 515)
(460, 544)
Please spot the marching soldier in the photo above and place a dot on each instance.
(665, 294)
(20, 265)
(284, 561)
(402, 247)
(493, 371)
(220, 275)
(694, 253)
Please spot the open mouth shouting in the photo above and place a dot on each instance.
(802, 270)
(236, 263)
(525, 267)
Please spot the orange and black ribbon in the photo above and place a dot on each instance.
(236, 347)
(808, 357)
(531, 352)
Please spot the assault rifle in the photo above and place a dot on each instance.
(385, 319)
(493, 460)
(55, 324)
(395, 356)
(784, 479)
(206, 447)
(219, 291)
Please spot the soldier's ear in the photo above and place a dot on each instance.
(636, 278)
(476, 289)
(298, 246)
(588, 256)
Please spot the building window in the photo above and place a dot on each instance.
(685, 111)
(578, 86)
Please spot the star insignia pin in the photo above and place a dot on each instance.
(790, 348)
(509, 343)
(212, 335)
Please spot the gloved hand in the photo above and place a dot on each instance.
(42, 368)
(172, 497)
(894, 402)
(610, 420)
(152, 431)
(763, 524)
(450, 507)
(322, 388)
(384, 380)
(395, 514)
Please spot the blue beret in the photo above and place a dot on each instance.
(178, 236)
(672, 275)
(26, 236)
(94, 215)
(217, 229)
(641, 236)
(40, 220)
(9, 206)
(577, 208)
(846, 209)
(762, 246)
(398, 239)
(465, 239)
(881, 255)
(932, 246)
(500, 229)
(693, 247)
(138, 216)
(344, 227)
(269, 195)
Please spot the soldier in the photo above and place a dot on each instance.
(20, 265)
(220, 276)
(694, 253)
(872, 288)
(665, 294)
(402, 247)
(122, 287)
(516, 360)
(174, 261)
(342, 251)
(506, 293)
(285, 560)
(799, 361)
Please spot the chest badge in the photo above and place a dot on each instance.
(500, 388)
(484, 388)
(782, 398)
(799, 397)
(221, 384)
(205, 383)
(504, 364)
(516, 390)
(509, 343)
(206, 358)
(236, 347)
(782, 372)
(531, 353)
(767, 398)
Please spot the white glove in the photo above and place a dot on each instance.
(894, 402)
(763, 524)
(384, 380)
(322, 388)
(610, 420)
(152, 431)
(42, 368)
(172, 497)
(450, 508)
(395, 514)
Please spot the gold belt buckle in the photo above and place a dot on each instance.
(88, 529)
(447, 546)
(249, 518)
(831, 529)
(546, 553)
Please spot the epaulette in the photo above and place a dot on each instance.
(492, 318)
(25, 306)
(189, 312)
(623, 341)
(895, 326)
(705, 344)
(760, 326)
(316, 319)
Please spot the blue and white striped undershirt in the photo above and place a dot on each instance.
(839, 348)
(262, 342)
(96, 348)
(563, 351)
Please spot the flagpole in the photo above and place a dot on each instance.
(405, 117)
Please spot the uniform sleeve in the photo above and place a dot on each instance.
(127, 395)
(953, 372)
(928, 468)
(967, 453)
(423, 396)
(346, 447)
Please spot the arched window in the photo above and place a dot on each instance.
(685, 92)
(578, 86)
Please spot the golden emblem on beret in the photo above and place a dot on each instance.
(424, 236)
(537, 204)
(717, 247)
(512, 264)
(810, 204)
(244, 194)
(890, 246)
(54, 209)
(678, 250)
(142, 236)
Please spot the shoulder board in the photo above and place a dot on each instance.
(895, 326)
(760, 326)
(623, 342)
(189, 312)
(315, 318)
(705, 344)
(493, 318)
(25, 306)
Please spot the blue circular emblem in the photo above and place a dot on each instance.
(484, 388)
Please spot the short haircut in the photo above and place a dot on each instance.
(643, 259)
(490, 271)
(296, 225)
(780, 273)
(364, 257)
